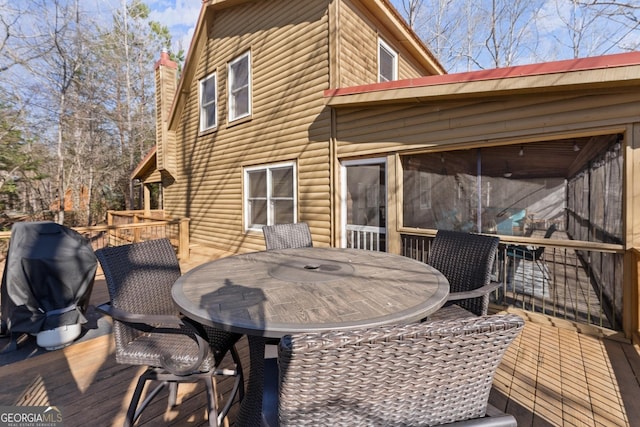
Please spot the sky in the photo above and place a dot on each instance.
(180, 16)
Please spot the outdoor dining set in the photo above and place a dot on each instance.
(359, 337)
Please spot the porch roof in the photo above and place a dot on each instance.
(609, 71)
(147, 166)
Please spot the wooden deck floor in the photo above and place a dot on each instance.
(552, 375)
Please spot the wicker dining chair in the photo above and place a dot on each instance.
(283, 236)
(149, 330)
(466, 260)
(423, 374)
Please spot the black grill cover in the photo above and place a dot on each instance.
(48, 278)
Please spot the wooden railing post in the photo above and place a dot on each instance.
(136, 231)
(183, 239)
(110, 231)
(631, 310)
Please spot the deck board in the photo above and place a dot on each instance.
(556, 373)
(549, 376)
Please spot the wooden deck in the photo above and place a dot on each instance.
(558, 284)
(552, 375)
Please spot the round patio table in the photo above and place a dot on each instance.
(274, 293)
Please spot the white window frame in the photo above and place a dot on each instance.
(394, 55)
(270, 210)
(231, 90)
(203, 105)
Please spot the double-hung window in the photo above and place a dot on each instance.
(208, 103)
(387, 62)
(240, 87)
(270, 195)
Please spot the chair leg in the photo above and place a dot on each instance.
(238, 385)
(131, 412)
(216, 417)
(173, 394)
(215, 420)
(134, 411)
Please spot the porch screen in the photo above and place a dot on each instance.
(514, 189)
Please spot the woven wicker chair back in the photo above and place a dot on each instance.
(283, 236)
(466, 260)
(424, 374)
(139, 277)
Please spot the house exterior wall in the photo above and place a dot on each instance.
(390, 129)
(394, 129)
(293, 61)
(297, 52)
(481, 122)
(358, 37)
(289, 122)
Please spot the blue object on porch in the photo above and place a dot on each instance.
(514, 220)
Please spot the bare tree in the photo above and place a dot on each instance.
(86, 96)
(588, 28)
(14, 48)
(412, 10)
(510, 30)
(476, 34)
(60, 72)
(140, 41)
(438, 23)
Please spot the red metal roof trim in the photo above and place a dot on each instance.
(581, 64)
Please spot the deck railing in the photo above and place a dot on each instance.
(577, 281)
(365, 237)
(573, 280)
(127, 227)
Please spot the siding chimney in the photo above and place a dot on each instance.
(166, 74)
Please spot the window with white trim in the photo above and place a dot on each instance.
(208, 103)
(270, 195)
(387, 62)
(240, 87)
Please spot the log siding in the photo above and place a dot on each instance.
(385, 129)
(289, 53)
(359, 33)
(291, 68)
